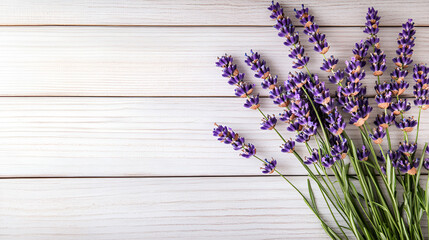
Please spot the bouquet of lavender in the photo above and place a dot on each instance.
(372, 191)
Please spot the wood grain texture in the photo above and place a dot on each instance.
(138, 93)
(207, 13)
(153, 208)
(136, 61)
(140, 137)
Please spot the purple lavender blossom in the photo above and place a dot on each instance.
(327, 161)
(407, 148)
(336, 124)
(294, 127)
(269, 82)
(289, 146)
(321, 94)
(371, 27)
(298, 55)
(287, 30)
(406, 166)
(420, 73)
(397, 88)
(244, 89)
(276, 11)
(362, 114)
(298, 79)
(384, 100)
(398, 75)
(339, 148)
(312, 30)
(402, 61)
(381, 88)
(228, 136)
(406, 124)
(268, 123)
(314, 158)
(400, 107)
(248, 151)
(378, 135)
(405, 45)
(421, 89)
(378, 62)
(252, 102)
(329, 64)
(258, 65)
(422, 102)
(426, 163)
(269, 166)
(360, 51)
(350, 105)
(229, 70)
(302, 137)
(362, 154)
(337, 78)
(353, 66)
(384, 120)
(287, 116)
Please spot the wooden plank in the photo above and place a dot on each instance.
(208, 13)
(117, 61)
(139, 137)
(156, 208)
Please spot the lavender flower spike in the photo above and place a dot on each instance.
(314, 158)
(268, 123)
(289, 146)
(287, 30)
(269, 166)
(312, 30)
(371, 27)
(327, 161)
(406, 124)
(363, 154)
(378, 135)
(228, 136)
(407, 148)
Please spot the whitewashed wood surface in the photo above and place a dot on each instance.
(107, 107)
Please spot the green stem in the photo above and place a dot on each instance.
(324, 225)
(418, 125)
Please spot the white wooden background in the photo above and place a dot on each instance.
(107, 107)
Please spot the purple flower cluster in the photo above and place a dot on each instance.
(405, 46)
(268, 123)
(371, 28)
(287, 30)
(339, 148)
(384, 120)
(406, 124)
(426, 160)
(378, 135)
(312, 30)
(360, 52)
(421, 89)
(243, 89)
(277, 93)
(269, 166)
(350, 94)
(314, 158)
(377, 57)
(289, 146)
(363, 154)
(228, 136)
(403, 162)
